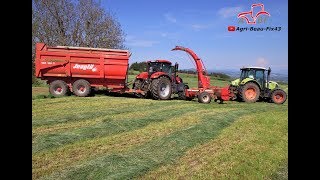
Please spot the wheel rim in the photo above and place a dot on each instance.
(205, 98)
(278, 98)
(164, 89)
(58, 90)
(81, 89)
(250, 93)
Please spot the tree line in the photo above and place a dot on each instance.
(82, 23)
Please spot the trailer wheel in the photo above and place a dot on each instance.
(250, 92)
(278, 96)
(58, 88)
(204, 97)
(81, 88)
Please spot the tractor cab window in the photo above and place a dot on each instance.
(251, 74)
(247, 74)
(155, 67)
(166, 68)
(242, 75)
(260, 76)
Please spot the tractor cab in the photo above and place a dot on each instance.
(259, 74)
(159, 66)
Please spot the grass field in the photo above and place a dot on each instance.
(107, 137)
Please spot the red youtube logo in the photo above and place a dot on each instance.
(231, 28)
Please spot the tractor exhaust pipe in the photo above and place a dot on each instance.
(268, 77)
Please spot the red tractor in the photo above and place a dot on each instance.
(160, 81)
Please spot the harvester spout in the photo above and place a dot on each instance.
(203, 79)
(179, 48)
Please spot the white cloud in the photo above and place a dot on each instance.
(136, 42)
(164, 34)
(170, 18)
(141, 43)
(262, 62)
(227, 12)
(198, 27)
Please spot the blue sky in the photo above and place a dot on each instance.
(153, 28)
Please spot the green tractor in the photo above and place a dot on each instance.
(254, 83)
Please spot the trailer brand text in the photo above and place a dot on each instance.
(85, 67)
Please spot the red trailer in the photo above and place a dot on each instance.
(78, 69)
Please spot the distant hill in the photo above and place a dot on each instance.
(279, 76)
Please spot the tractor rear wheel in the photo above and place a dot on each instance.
(58, 88)
(161, 88)
(154, 88)
(81, 88)
(250, 92)
(278, 96)
(204, 97)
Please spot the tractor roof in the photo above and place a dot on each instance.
(161, 61)
(252, 67)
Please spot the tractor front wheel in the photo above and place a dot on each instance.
(278, 96)
(250, 92)
(136, 86)
(204, 97)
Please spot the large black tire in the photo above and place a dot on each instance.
(58, 88)
(278, 96)
(154, 88)
(161, 88)
(137, 85)
(81, 88)
(250, 92)
(204, 97)
(182, 94)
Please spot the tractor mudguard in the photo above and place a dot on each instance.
(235, 82)
(273, 85)
(178, 79)
(158, 74)
(246, 80)
(143, 75)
